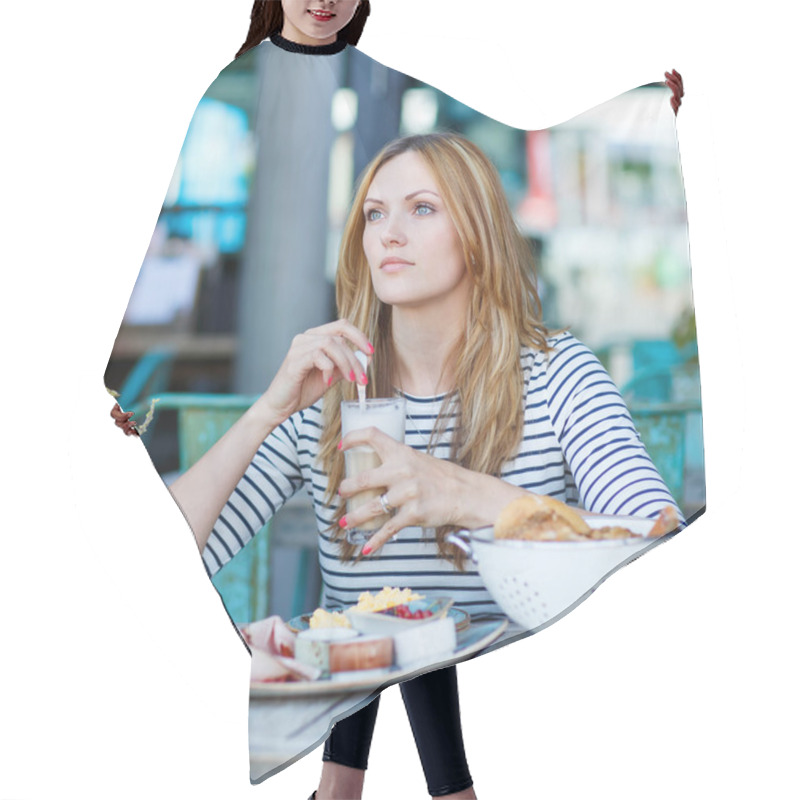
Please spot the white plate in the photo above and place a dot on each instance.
(468, 643)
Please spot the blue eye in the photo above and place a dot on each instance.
(423, 209)
(372, 215)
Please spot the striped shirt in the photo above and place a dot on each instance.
(579, 445)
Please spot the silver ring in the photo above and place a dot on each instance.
(387, 509)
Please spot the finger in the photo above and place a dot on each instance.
(380, 477)
(387, 532)
(307, 356)
(121, 418)
(356, 337)
(383, 444)
(674, 80)
(367, 480)
(366, 512)
(346, 329)
(325, 366)
(343, 355)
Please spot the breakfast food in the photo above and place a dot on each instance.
(666, 522)
(365, 652)
(339, 650)
(271, 635)
(328, 619)
(425, 643)
(540, 518)
(386, 598)
(404, 612)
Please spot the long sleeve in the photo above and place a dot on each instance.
(612, 470)
(273, 476)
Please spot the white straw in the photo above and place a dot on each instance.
(362, 390)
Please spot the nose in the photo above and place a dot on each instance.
(393, 234)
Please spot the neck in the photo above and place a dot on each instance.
(424, 346)
(298, 37)
(315, 49)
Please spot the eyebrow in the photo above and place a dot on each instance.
(407, 197)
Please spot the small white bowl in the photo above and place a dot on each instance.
(388, 623)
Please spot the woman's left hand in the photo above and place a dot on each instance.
(422, 490)
(674, 82)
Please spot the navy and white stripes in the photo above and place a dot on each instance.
(579, 445)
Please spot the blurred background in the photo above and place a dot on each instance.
(244, 254)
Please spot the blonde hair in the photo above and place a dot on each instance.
(504, 314)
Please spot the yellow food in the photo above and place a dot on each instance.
(540, 518)
(386, 598)
(328, 619)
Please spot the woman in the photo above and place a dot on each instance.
(305, 22)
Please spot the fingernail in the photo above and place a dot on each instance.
(330, 380)
(371, 348)
(343, 522)
(339, 446)
(364, 379)
(352, 375)
(366, 549)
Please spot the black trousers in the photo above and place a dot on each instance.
(431, 702)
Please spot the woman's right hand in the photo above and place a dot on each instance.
(124, 420)
(316, 360)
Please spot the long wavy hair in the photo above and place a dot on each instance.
(504, 314)
(266, 19)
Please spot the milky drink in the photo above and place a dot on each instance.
(358, 460)
(389, 416)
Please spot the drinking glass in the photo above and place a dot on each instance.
(388, 414)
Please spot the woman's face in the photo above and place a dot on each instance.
(315, 22)
(413, 249)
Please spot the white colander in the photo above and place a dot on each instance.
(536, 582)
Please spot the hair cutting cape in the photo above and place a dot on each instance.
(243, 258)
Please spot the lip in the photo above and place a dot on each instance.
(321, 16)
(392, 264)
